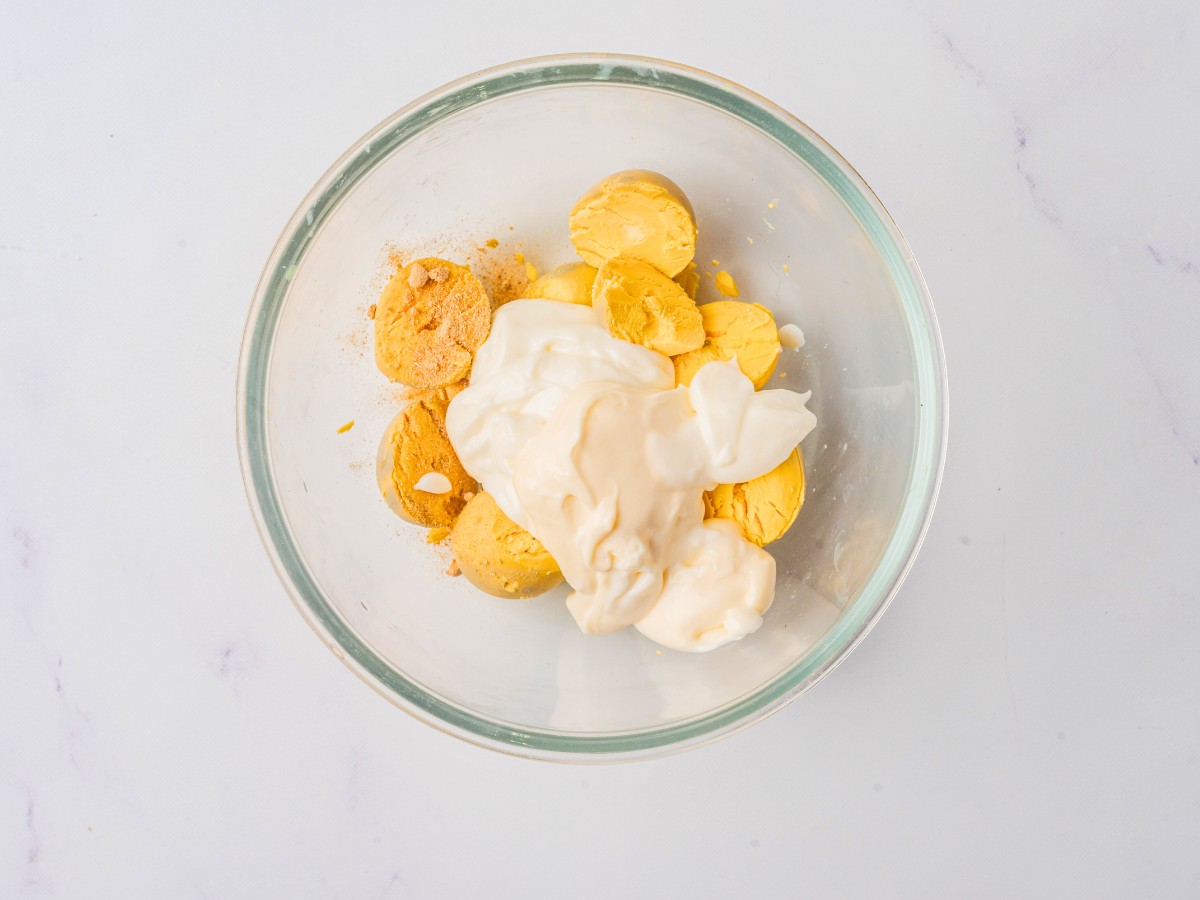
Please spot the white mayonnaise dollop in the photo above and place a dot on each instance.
(536, 352)
(584, 440)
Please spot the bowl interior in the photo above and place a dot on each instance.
(507, 162)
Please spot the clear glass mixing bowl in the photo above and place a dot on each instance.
(504, 154)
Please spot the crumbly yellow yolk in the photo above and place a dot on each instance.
(569, 283)
(414, 445)
(766, 506)
(429, 321)
(635, 214)
(497, 555)
(726, 285)
(734, 329)
(689, 280)
(640, 304)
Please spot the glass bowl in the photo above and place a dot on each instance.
(503, 154)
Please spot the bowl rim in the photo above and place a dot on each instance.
(925, 472)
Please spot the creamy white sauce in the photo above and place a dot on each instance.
(791, 337)
(535, 353)
(433, 483)
(584, 440)
(717, 593)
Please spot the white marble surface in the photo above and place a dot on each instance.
(1023, 722)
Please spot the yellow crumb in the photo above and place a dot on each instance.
(726, 285)
(493, 243)
(346, 427)
(749, 239)
(519, 257)
(716, 262)
(436, 535)
(786, 269)
(773, 203)
(531, 273)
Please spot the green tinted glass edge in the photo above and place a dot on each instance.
(924, 475)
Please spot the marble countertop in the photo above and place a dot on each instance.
(1022, 722)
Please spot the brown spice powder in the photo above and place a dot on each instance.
(503, 277)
